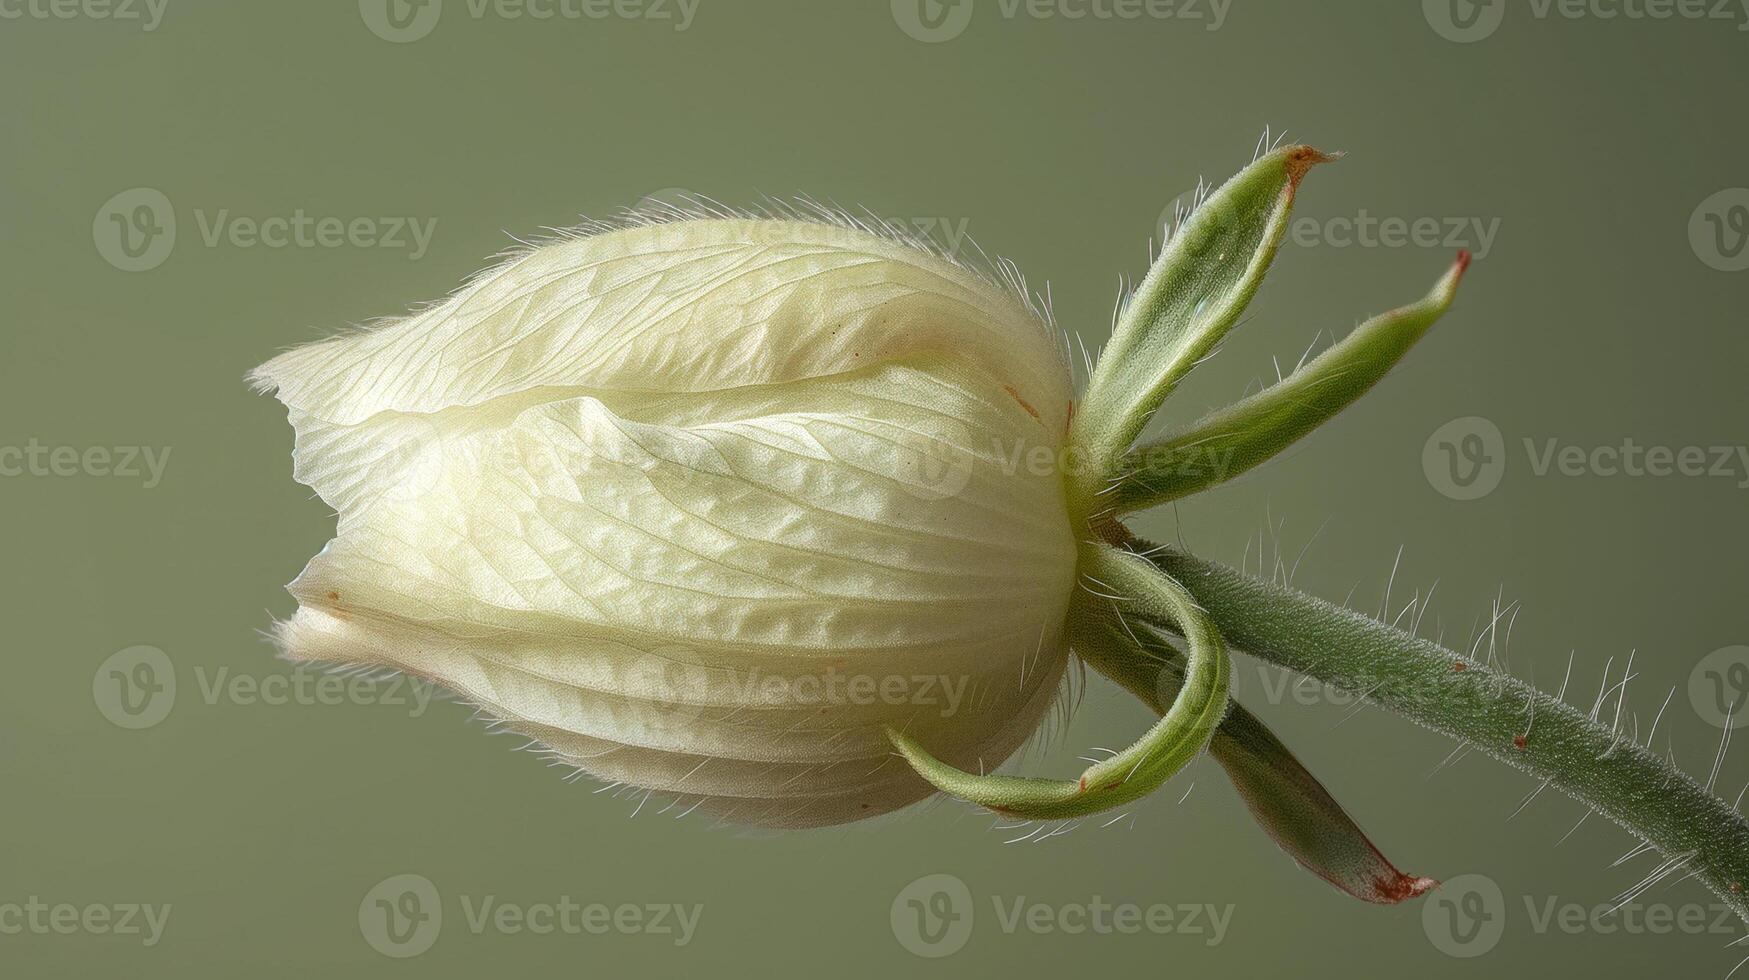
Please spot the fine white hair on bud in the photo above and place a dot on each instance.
(704, 506)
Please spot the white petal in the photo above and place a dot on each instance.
(646, 566)
(688, 306)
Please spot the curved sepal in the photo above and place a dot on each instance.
(1182, 732)
(1231, 440)
(1287, 801)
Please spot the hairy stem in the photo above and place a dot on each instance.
(1606, 770)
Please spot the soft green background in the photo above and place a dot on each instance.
(1057, 142)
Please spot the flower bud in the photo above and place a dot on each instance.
(703, 506)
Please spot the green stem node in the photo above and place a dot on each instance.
(1698, 833)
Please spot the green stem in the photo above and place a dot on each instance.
(1606, 770)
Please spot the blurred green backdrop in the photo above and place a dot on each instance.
(1594, 162)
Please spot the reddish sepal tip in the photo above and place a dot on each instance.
(1390, 891)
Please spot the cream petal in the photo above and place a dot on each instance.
(689, 306)
(661, 581)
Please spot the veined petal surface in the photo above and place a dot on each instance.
(703, 506)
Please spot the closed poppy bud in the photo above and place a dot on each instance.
(705, 507)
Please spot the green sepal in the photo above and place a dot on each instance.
(1232, 440)
(1183, 731)
(1204, 277)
